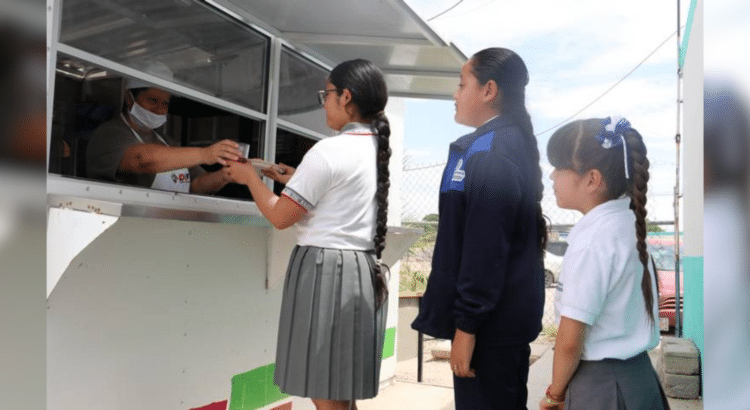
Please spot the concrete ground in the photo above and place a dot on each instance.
(436, 390)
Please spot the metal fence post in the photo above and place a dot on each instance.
(420, 345)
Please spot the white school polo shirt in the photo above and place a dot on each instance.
(600, 284)
(336, 184)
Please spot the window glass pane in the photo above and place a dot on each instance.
(88, 120)
(178, 40)
(299, 83)
(290, 148)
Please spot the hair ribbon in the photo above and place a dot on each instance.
(613, 135)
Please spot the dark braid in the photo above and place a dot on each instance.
(366, 83)
(509, 72)
(638, 186)
(383, 129)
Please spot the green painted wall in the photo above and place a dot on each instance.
(693, 315)
(255, 389)
(389, 346)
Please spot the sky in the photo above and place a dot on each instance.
(574, 52)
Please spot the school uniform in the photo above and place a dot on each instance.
(487, 272)
(330, 338)
(600, 285)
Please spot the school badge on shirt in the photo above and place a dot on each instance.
(459, 174)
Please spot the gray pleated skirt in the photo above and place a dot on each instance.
(614, 384)
(330, 334)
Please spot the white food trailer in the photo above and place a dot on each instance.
(160, 300)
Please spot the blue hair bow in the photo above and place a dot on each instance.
(613, 135)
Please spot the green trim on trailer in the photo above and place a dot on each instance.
(693, 301)
(389, 345)
(255, 389)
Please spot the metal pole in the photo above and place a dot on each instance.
(677, 138)
(420, 345)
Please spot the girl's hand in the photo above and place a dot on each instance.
(544, 405)
(240, 172)
(280, 173)
(462, 350)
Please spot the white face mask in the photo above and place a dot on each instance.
(146, 118)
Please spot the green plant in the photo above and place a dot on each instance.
(428, 236)
(411, 280)
(550, 332)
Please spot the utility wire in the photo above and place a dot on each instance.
(445, 11)
(609, 89)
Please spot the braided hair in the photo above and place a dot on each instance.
(366, 83)
(509, 72)
(575, 147)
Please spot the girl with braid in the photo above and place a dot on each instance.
(486, 288)
(607, 289)
(333, 311)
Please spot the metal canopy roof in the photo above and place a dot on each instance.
(414, 59)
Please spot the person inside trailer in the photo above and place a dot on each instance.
(129, 148)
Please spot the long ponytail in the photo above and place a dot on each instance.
(383, 130)
(514, 105)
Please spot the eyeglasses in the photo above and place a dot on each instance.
(322, 95)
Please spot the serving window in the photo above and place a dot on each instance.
(218, 71)
(87, 96)
(290, 148)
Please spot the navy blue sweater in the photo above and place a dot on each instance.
(487, 272)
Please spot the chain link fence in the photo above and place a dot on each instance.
(419, 196)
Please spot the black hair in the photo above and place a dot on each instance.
(509, 72)
(135, 92)
(575, 147)
(366, 83)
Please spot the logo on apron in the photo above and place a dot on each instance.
(177, 180)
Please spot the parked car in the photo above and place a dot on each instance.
(552, 268)
(664, 259)
(557, 247)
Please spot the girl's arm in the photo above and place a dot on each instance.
(568, 350)
(282, 212)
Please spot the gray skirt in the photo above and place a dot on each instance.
(614, 384)
(330, 334)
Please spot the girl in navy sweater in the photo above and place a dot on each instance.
(486, 288)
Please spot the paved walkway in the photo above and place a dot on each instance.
(436, 390)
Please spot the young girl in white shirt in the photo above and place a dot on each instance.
(606, 296)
